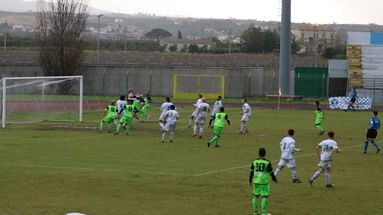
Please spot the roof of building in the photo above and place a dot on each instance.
(313, 28)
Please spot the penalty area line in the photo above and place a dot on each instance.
(248, 166)
(94, 169)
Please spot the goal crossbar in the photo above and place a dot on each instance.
(42, 82)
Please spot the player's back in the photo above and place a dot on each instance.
(129, 109)
(165, 107)
(262, 168)
(287, 146)
(328, 146)
(172, 116)
(203, 109)
(219, 120)
(121, 104)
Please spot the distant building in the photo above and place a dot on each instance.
(183, 44)
(313, 38)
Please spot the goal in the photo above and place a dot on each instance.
(188, 86)
(36, 99)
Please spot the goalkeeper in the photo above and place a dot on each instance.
(219, 122)
(109, 115)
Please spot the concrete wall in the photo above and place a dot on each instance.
(116, 80)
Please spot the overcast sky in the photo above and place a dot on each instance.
(313, 11)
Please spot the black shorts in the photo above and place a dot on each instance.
(353, 100)
(372, 133)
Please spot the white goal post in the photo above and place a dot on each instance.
(45, 98)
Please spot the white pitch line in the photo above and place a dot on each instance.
(248, 166)
(93, 169)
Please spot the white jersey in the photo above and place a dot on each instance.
(216, 107)
(172, 116)
(165, 107)
(328, 146)
(203, 109)
(287, 148)
(246, 109)
(121, 105)
(199, 101)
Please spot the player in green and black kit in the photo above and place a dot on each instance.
(127, 118)
(219, 122)
(109, 116)
(319, 118)
(260, 171)
(145, 108)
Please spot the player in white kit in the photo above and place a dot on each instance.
(202, 112)
(287, 146)
(121, 103)
(194, 114)
(324, 151)
(164, 107)
(171, 117)
(246, 114)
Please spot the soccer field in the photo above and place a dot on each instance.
(57, 168)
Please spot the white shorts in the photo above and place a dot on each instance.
(324, 164)
(245, 117)
(201, 120)
(162, 116)
(287, 163)
(170, 127)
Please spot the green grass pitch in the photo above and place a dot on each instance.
(48, 169)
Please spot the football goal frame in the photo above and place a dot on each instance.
(37, 94)
(188, 86)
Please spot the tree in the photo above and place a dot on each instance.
(61, 24)
(179, 36)
(158, 34)
(193, 48)
(173, 48)
(253, 40)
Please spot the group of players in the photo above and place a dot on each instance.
(136, 106)
(261, 169)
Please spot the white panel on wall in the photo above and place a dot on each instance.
(359, 38)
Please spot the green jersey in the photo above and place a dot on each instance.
(219, 119)
(129, 109)
(111, 110)
(319, 113)
(261, 169)
(137, 104)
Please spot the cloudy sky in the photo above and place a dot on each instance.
(313, 11)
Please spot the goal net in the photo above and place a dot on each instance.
(188, 86)
(34, 99)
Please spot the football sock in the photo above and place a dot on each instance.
(201, 130)
(214, 140)
(375, 145)
(319, 128)
(101, 126)
(116, 121)
(293, 173)
(242, 126)
(163, 135)
(328, 177)
(264, 205)
(171, 135)
(190, 122)
(255, 205)
(277, 171)
(316, 174)
(119, 127)
(110, 126)
(365, 146)
(195, 128)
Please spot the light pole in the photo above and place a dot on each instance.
(5, 35)
(98, 38)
